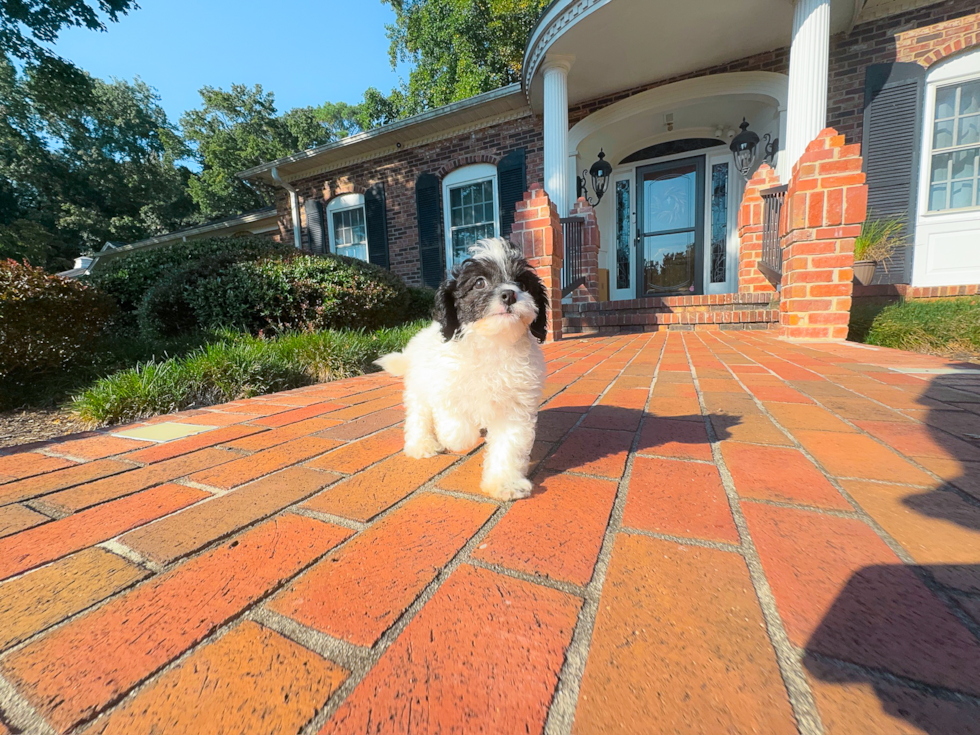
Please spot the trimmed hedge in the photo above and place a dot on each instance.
(129, 277)
(46, 321)
(305, 293)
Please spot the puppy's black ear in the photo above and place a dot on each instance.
(445, 309)
(530, 282)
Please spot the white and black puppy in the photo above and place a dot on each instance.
(479, 366)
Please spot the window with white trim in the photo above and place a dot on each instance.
(469, 196)
(347, 226)
(954, 173)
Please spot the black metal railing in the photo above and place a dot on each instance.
(771, 263)
(572, 276)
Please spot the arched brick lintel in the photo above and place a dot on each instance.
(467, 161)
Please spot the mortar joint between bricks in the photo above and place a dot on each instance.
(561, 713)
(790, 667)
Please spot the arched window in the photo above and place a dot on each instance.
(469, 197)
(347, 226)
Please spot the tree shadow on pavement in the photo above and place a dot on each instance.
(898, 650)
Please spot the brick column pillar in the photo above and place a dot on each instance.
(589, 293)
(750, 213)
(825, 206)
(537, 228)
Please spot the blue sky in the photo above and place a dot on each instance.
(305, 51)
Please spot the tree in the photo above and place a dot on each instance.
(26, 24)
(459, 48)
(85, 164)
(240, 128)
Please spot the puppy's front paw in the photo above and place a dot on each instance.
(513, 489)
(424, 448)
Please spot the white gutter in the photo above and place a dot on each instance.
(293, 205)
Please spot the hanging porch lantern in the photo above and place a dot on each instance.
(599, 173)
(744, 148)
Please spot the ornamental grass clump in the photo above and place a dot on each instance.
(879, 239)
(235, 366)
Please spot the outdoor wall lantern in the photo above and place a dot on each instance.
(599, 174)
(745, 145)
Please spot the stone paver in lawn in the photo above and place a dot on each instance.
(727, 533)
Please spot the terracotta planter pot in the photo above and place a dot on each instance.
(864, 271)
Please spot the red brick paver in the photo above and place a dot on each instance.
(251, 681)
(816, 569)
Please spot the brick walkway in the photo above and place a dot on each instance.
(730, 534)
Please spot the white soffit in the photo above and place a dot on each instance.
(624, 44)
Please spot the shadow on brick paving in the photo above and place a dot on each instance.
(910, 633)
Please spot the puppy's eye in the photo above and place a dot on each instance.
(480, 283)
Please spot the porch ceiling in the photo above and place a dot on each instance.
(622, 44)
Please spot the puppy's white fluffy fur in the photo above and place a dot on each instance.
(489, 377)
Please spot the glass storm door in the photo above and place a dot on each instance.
(670, 228)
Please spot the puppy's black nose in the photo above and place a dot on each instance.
(509, 297)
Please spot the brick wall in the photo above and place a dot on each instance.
(925, 35)
(826, 204)
(750, 232)
(537, 228)
(399, 171)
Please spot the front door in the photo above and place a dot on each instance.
(670, 228)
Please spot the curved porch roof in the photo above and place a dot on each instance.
(623, 44)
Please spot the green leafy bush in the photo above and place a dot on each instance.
(168, 308)
(421, 302)
(304, 293)
(129, 277)
(236, 366)
(45, 320)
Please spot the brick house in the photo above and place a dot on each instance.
(858, 107)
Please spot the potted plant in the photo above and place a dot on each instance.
(878, 240)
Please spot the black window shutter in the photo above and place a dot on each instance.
(432, 251)
(511, 185)
(376, 216)
(893, 102)
(315, 233)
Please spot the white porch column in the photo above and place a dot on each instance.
(808, 70)
(556, 131)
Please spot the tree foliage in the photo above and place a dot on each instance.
(83, 160)
(93, 162)
(459, 48)
(238, 128)
(27, 24)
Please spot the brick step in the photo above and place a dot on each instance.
(717, 311)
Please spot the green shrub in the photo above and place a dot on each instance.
(128, 277)
(236, 366)
(937, 326)
(46, 321)
(421, 302)
(168, 308)
(292, 293)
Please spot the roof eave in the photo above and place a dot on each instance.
(384, 130)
